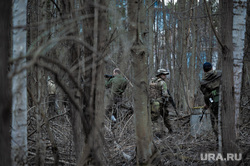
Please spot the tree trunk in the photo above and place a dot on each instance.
(151, 38)
(96, 34)
(239, 28)
(193, 57)
(227, 93)
(19, 89)
(139, 63)
(245, 114)
(5, 93)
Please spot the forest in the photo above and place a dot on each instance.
(61, 59)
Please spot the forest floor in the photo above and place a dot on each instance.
(179, 148)
(182, 147)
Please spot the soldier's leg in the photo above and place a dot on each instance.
(155, 114)
(116, 106)
(109, 107)
(214, 119)
(155, 111)
(164, 114)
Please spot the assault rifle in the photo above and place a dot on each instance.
(171, 100)
(108, 76)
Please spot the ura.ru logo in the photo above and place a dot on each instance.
(220, 157)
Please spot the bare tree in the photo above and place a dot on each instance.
(5, 93)
(95, 33)
(142, 115)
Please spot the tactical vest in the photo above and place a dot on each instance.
(155, 89)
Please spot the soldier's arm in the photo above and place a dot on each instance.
(205, 93)
(206, 99)
(164, 89)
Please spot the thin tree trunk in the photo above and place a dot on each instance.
(179, 55)
(193, 57)
(19, 87)
(184, 73)
(151, 38)
(210, 32)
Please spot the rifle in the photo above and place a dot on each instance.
(204, 109)
(108, 76)
(203, 112)
(171, 100)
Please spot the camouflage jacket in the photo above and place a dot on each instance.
(117, 84)
(209, 86)
(158, 89)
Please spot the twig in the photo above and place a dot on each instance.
(48, 120)
(50, 158)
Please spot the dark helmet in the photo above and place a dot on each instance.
(162, 71)
(207, 66)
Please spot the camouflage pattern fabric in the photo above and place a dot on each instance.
(157, 91)
(209, 86)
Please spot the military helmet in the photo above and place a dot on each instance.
(162, 71)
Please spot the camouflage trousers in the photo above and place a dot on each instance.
(157, 110)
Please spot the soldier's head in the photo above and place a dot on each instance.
(162, 73)
(207, 67)
(116, 71)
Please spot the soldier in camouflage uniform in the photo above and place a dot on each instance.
(210, 85)
(159, 98)
(117, 84)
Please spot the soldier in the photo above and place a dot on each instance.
(159, 98)
(117, 83)
(210, 85)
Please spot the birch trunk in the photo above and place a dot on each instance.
(239, 29)
(19, 87)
